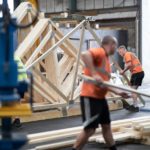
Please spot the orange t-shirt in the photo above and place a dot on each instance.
(136, 65)
(101, 61)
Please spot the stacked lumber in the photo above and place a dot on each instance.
(134, 129)
(56, 83)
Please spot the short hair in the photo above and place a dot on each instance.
(109, 39)
(122, 46)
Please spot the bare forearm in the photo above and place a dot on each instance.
(128, 66)
(118, 92)
(88, 61)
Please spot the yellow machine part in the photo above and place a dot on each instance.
(34, 3)
(15, 110)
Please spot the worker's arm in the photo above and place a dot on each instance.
(127, 67)
(118, 92)
(88, 61)
(128, 60)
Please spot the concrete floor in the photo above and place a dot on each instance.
(49, 125)
(96, 146)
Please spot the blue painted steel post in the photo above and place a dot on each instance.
(8, 79)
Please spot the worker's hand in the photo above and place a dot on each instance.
(124, 95)
(121, 72)
(98, 78)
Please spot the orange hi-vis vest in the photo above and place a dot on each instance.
(102, 65)
(136, 65)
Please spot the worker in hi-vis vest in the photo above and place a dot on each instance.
(22, 77)
(133, 64)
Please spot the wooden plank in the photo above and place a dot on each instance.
(30, 19)
(53, 133)
(54, 137)
(67, 53)
(60, 34)
(120, 130)
(146, 130)
(43, 94)
(37, 98)
(77, 91)
(77, 63)
(141, 125)
(90, 79)
(56, 145)
(21, 11)
(51, 65)
(52, 113)
(39, 48)
(62, 144)
(64, 62)
(47, 106)
(64, 47)
(28, 42)
(22, 33)
(45, 90)
(115, 124)
(93, 34)
(67, 84)
(50, 84)
(118, 137)
(63, 59)
(66, 68)
(116, 98)
(43, 65)
(38, 116)
(55, 46)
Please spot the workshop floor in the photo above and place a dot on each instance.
(49, 125)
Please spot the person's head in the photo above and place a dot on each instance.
(109, 43)
(122, 50)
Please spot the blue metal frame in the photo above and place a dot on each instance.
(8, 80)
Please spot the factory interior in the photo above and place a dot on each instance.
(75, 75)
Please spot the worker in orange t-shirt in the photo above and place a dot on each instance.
(133, 64)
(94, 106)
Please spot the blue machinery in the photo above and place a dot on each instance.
(9, 84)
